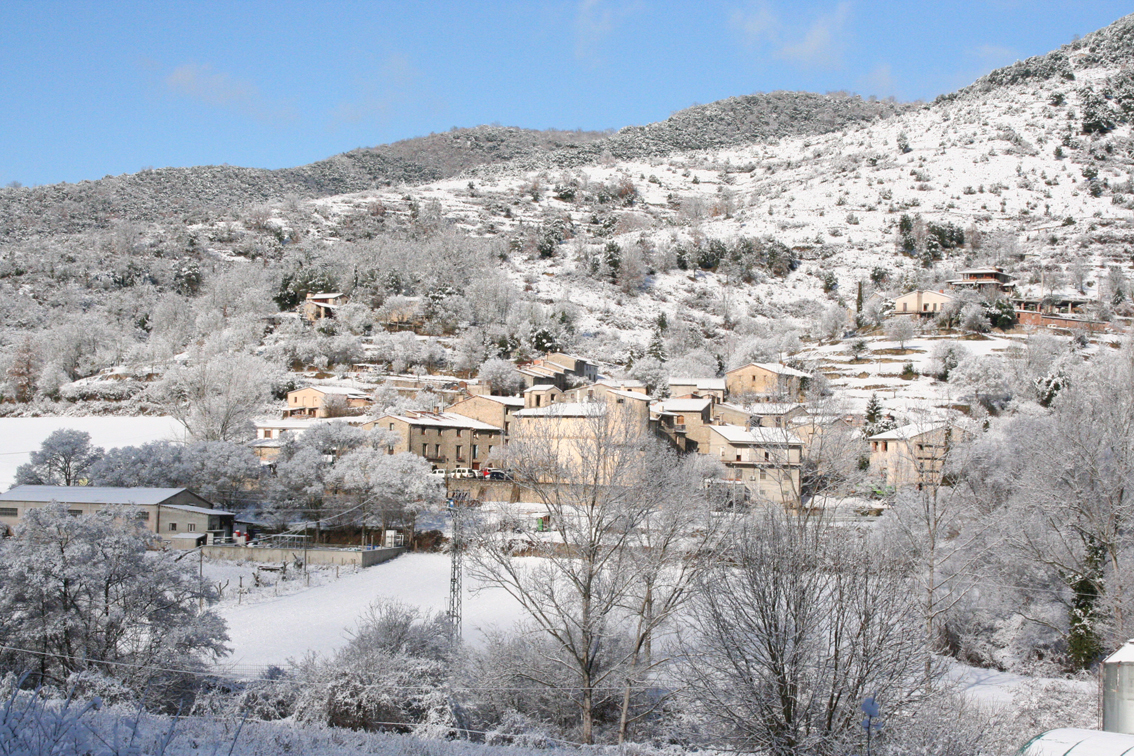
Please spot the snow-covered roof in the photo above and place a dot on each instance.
(629, 394)
(1067, 740)
(620, 383)
(324, 295)
(442, 420)
(935, 292)
(773, 408)
(197, 510)
(353, 393)
(1124, 655)
(738, 435)
(543, 387)
(566, 409)
(704, 384)
(774, 367)
(683, 405)
(511, 401)
(91, 494)
(908, 431)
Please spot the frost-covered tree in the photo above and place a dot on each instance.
(652, 372)
(158, 464)
(901, 329)
(501, 376)
(216, 395)
(65, 458)
(88, 589)
(385, 489)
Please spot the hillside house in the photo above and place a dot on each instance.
(541, 395)
(444, 439)
(573, 365)
(776, 414)
(545, 374)
(678, 418)
(494, 410)
(922, 303)
(991, 279)
(320, 305)
(270, 433)
(913, 455)
(726, 413)
(714, 387)
(325, 401)
(767, 382)
(767, 461)
(171, 513)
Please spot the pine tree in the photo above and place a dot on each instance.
(657, 346)
(873, 410)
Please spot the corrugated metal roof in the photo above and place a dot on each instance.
(90, 494)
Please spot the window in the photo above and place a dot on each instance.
(437, 450)
(8, 512)
(459, 434)
(391, 426)
(884, 447)
(143, 516)
(74, 512)
(475, 451)
(459, 449)
(191, 527)
(173, 527)
(767, 456)
(425, 450)
(763, 475)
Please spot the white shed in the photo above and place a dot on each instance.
(1118, 690)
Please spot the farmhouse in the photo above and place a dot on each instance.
(171, 513)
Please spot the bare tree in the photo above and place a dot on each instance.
(794, 630)
(608, 491)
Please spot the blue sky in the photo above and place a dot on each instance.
(97, 88)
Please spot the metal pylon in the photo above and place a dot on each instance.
(457, 503)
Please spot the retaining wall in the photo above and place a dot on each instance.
(367, 558)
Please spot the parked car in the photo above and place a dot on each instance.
(462, 472)
(494, 473)
(439, 473)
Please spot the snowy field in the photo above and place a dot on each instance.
(272, 630)
(20, 436)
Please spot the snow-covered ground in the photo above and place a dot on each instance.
(319, 619)
(20, 436)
